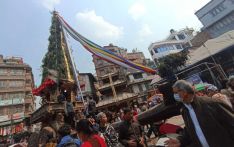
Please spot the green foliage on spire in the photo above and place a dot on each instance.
(53, 59)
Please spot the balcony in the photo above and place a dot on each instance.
(148, 78)
(107, 75)
(108, 86)
(120, 98)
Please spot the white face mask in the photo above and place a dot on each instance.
(177, 97)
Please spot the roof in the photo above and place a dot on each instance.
(211, 47)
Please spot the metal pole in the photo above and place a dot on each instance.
(222, 71)
(212, 75)
(76, 75)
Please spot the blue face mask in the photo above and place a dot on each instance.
(177, 97)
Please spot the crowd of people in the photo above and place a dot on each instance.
(208, 118)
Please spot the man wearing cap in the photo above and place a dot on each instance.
(208, 122)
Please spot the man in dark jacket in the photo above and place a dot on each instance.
(130, 134)
(208, 122)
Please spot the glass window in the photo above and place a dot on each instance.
(178, 46)
(156, 50)
(181, 36)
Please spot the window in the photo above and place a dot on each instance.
(16, 72)
(3, 96)
(217, 9)
(156, 50)
(16, 83)
(3, 71)
(140, 88)
(181, 36)
(147, 86)
(178, 46)
(3, 84)
(137, 76)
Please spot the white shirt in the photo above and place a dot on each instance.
(196, 124)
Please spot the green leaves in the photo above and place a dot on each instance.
(169, 64)
(53, 59)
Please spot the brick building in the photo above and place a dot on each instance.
(16, 99)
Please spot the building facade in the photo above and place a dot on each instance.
(217, 17)
(139, 82)
(87, 87)
(116, 84)
(174, 43)
(16, 99)
(103, 67)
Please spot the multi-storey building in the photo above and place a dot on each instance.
(111, 79)
(115, 83)
(139, 82)
(174, 43)
(87, 87)
(136, 57)
(16, 99)
(217, 17)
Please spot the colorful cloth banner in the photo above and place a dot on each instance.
(102, 52)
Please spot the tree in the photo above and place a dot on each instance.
(54, 58)
(169, 64)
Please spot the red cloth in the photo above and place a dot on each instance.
(45, 84)
(96, 137)
(168, 128)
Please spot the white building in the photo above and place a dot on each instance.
(174, 43)
(217, 17)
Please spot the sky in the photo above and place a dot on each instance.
(24, 26)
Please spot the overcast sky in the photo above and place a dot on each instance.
(24, 25)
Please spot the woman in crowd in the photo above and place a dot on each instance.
(107, 131)
(87, 135)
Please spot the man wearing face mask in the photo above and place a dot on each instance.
(208, 122)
